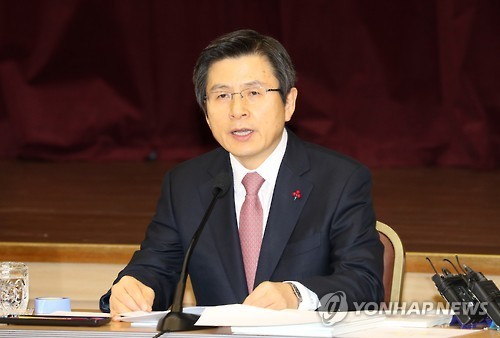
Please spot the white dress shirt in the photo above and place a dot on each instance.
(269, 171)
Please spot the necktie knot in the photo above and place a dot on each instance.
(252, 183)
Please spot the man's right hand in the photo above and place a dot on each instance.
(130, 295)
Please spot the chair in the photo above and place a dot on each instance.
(394, 263)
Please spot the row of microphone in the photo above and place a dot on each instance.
(472, 297)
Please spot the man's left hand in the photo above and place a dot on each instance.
(273, 295)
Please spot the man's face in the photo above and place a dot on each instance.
(250, 128)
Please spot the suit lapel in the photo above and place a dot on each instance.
(223, 230)
(285, 210)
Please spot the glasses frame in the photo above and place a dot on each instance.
(241, 95)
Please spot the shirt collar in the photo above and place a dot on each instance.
(268, 169)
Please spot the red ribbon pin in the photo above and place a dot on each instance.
(296, 194)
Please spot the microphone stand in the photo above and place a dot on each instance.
(176, 320)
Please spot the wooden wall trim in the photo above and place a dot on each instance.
(66, 252)
(417, 262)
(121, 254)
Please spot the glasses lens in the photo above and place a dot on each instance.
(253, 94)
(219, 96)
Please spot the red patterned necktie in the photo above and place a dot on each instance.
(251, 226)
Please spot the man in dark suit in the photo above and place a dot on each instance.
(307, 231)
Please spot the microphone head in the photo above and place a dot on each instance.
(222, 183)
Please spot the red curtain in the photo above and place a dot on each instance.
(390, 82)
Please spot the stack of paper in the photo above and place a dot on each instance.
(142, 318)
(313, 329)
(417, 320)
(250, 320)
(258, 321)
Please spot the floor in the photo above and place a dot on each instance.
(432, 209)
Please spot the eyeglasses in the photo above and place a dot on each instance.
(250, 95)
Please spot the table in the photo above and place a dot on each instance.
(125, 330)
(113, 329)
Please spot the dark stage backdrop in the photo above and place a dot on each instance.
(391, 83)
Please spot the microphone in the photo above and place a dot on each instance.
(176, 320)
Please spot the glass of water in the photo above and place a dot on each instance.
(14, 288)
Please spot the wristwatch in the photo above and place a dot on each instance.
(296, 291)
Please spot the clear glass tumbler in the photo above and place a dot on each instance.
(14, 288)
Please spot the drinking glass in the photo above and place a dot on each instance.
(14, 288)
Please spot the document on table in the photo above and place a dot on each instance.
(407, 332)
(245, 319)
(245, 315)
(418, 320)
(152, 318)
(257, 321)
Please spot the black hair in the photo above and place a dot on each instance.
(240, 43)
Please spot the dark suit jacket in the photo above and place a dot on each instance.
(325, 240)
